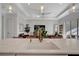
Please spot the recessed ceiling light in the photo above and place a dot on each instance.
(42, 8)
(73, 7)
(10, 9)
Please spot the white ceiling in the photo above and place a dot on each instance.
(51, 10)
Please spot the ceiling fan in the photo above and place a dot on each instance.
(42, 13)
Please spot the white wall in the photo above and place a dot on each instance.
(20, 23)
(49, 24)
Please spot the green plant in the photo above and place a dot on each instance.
(44, 32)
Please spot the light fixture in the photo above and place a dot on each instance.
(10, 8)
(73, 7)
(42, 9)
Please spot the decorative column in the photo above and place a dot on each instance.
(0, 23)
(64, 30)
(77, 29)
(70, 29)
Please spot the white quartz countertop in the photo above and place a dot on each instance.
(47, 46)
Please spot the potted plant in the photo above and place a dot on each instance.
(27, 28)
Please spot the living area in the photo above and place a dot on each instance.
(39, 29)
(16, 22)
(48, 27)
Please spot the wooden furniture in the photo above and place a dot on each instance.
(53, 36)
(33, 36)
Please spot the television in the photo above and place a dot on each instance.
(41, 26)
